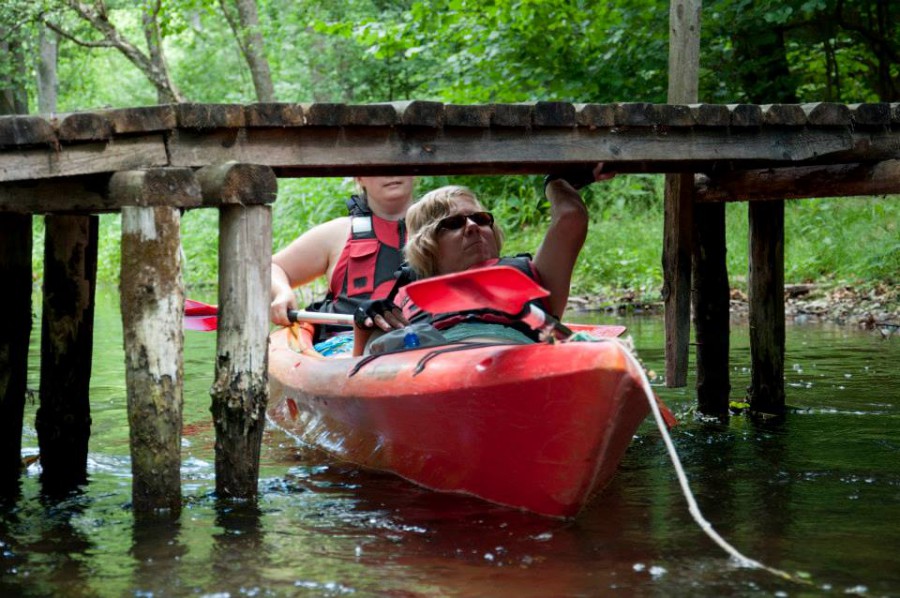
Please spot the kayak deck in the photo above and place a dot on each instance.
(538, 427)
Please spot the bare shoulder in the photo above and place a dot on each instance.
(315, 252)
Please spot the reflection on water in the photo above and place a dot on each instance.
(816, 494)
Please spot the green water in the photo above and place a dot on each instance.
(818, 494)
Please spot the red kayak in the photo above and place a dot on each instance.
(540, 427)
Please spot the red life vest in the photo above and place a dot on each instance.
(365, 269)
(413, 313)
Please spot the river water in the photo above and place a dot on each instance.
(816, 496)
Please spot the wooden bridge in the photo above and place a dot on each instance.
(150, 163)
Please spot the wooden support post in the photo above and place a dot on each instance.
(711, 310)
(152, 301)
(766, 286)
(678, 231)
(15, 331)
(240, 391)
(63, 419)
(684, 68)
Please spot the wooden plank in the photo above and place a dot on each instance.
(234, 183)
(326, 151)
(25, 131)
(745, 115)
(839, 180)
(209, 116)
(63, 420)
(152, 305)
(711, 115)
(323, 114)
(143, 119)
(635, 114)
(371, 115)
(871, 115)
(240, 391)
(786, 115)
(766, 292)
(85, 126)
(513, 115)
(593, 116)
(420, 114)
(273, 115)
(176, 187)
(554, 114)
(827, 114)
(673, 115)
(478, 115)
(84, 158)
(15, 331)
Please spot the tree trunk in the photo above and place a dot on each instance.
(246, 30)
(165, 94)
(47, 81)
(153, 67)
(763, 68)
(13, 94)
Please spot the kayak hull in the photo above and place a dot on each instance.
(536, 427)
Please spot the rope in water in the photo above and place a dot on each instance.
(705, 525)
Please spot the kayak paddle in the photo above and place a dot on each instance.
(204, 317)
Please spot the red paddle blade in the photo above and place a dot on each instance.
(195, 308)
(600, 330)
(200, 316)
(497, 287)
(201, 323)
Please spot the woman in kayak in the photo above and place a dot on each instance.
(358, 253)
(449, 231)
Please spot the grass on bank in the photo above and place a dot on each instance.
(827, 241)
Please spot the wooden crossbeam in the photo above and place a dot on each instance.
(439, 139)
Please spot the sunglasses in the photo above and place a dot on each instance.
(459, 220)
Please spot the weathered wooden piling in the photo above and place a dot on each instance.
(766, 289)
(15, 330)
(711, 310)
(63, 420)
(240, 391)
(684, 70)
(152, 304)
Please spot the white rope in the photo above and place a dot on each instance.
(705, 525)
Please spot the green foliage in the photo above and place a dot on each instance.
(844, 239)
(474, 51)
(802, 50)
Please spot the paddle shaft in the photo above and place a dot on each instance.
(314, 317)
(204, 317)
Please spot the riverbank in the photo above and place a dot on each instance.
(875, 308)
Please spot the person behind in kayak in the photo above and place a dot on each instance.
(358, 253)
(450, 231)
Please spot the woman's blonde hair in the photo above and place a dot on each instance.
(422, 226)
